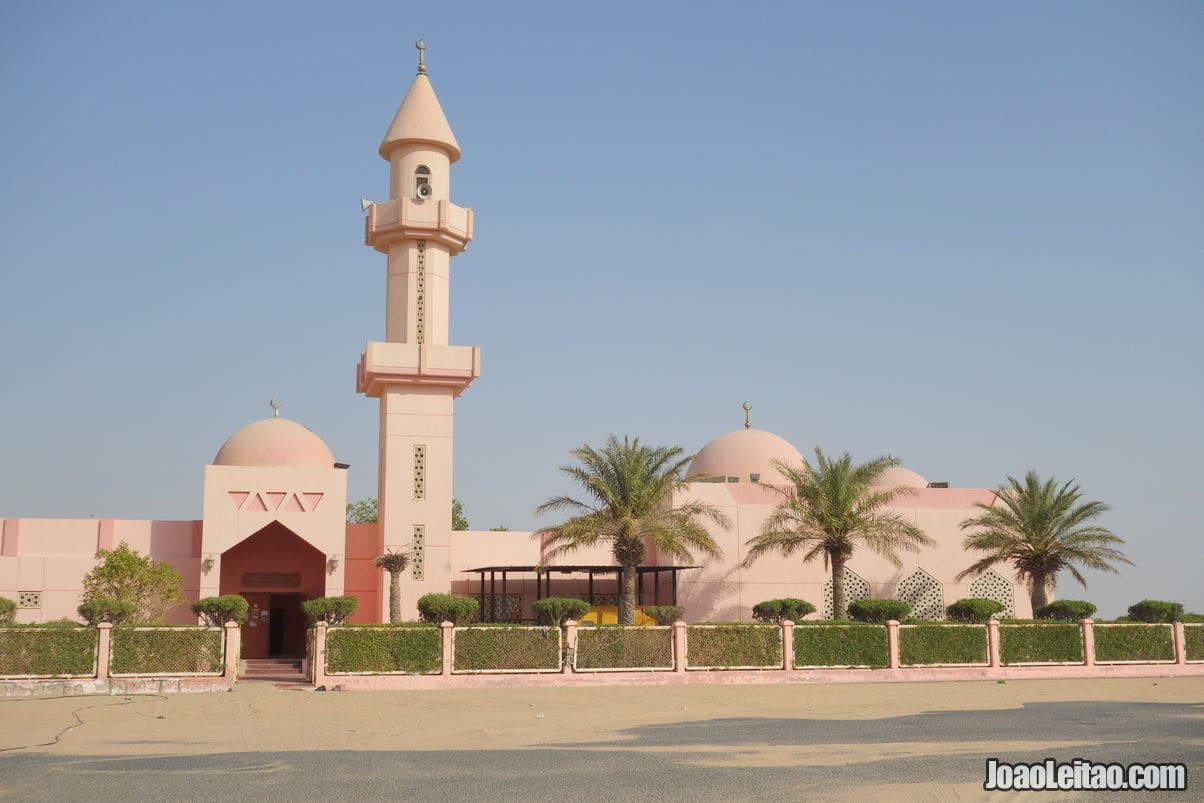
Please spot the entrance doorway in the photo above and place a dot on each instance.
(275, 626)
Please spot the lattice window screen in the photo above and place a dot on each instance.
(855, 588)
(991, 585)
(502, 608)
(418, 551)
(924, 594)
(420, 294)
(419, 471)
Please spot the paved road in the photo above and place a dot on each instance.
(730, 759)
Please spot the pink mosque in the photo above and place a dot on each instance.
(273, 519)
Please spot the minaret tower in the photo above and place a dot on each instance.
(415, 373)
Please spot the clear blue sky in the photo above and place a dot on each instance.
(968, 235)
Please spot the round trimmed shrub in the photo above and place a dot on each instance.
(216, 611)
(1066, 610)
(975, 610)
(456, 608)
(878, 610)
(8, 611)
(1155, 611)
(115, 611)
(331, 610)
(665, 614)
(554, 610)
(775, 611)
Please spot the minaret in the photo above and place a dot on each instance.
(415, 373)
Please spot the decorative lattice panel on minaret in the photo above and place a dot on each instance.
(991, 585)
(420, 294)
(418, 551)
(855, 588)
(924, 594)
(420, 471)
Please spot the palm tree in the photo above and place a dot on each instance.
(394, 563)
(1041, 529)
(830, 508)
(629, 490)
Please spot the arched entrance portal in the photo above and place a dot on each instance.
(275, 569)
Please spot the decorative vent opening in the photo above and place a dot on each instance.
(991, 585)
(418, 551)
(924, 594)
(420, 295)
(420, 471)
(29, 599)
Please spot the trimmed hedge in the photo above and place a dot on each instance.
(1134, 643)
(114, 611)
(456, 608)
(1037, 644)
(841, 645)
(55, 651)
(775, 611)
(973, 610)
(664, 614)
(401, 649)
(618, 647)
(1193, 640)
(1156, 611)
(878, 610)
(216, 611)
(1066, 610)
(722, 646)
(498, 649)
(923, 645)
(552, 611)
(175, 650)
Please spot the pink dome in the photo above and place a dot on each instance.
(742, 454)
(274, 442)
(894, 477)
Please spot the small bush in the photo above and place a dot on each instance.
(878, 610)
(665, 614)
(734, 645)
(841, 644)
(331, 610)
(390, 649)
(1040, 644)
(552, 611)
(216, 611)
(1192, 618)
(942, 644)
(1134, 643)
(456, 608)
(498, 649)
(114, 611)
(775, 611)
(8, 611)
(1066, 610)
(974, 610)
(1152, 611)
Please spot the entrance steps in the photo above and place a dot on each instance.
(279, 670)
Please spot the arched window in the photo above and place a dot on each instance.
(422, 182)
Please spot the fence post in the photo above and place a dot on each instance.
(787, 645)
(570, 645)
(993, 643)
(1088, 642)
(1180, 644)
(679, 647)
(233, 649)
(447, 628)
(104, 647)
(892, 642)
(319, 658)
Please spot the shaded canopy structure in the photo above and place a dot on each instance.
(543, 579)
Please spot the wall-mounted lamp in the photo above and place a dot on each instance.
(332, 564)
(208, 563)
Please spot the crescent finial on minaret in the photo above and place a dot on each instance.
(747, 416)
(275, 407)
(421, 45)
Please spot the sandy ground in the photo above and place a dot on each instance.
(262, 717)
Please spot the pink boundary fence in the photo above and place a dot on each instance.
(994, 670)
(102, 683)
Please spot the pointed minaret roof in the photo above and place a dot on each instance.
(420, 119)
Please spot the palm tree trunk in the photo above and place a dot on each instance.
(840, 608)
(627, 596)
(394, 597)
(1039, 592)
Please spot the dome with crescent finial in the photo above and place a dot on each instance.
(747, 455)
(275, 442)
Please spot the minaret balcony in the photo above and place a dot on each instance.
(383, 365)
(438, 221)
